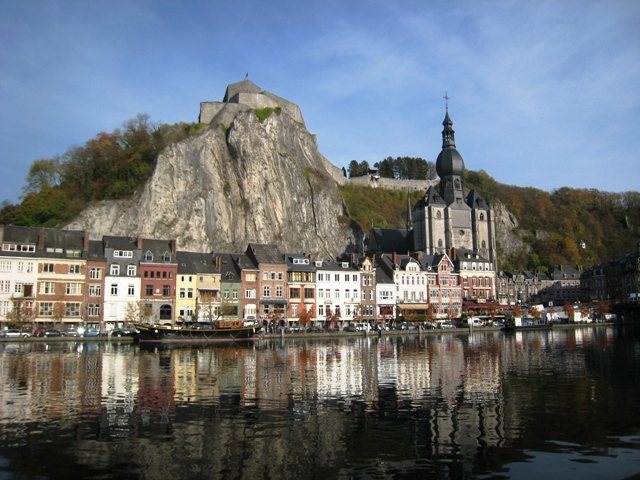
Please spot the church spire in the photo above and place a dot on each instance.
(409, 215)
(448, 133)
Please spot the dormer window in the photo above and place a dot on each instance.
(166, 257)
(319, 263)
(148, 256)
(345, 265)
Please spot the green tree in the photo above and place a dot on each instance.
(43, 175)
(358, 169)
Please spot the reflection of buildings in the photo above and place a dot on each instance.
(270, 408)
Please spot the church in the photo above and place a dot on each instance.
(446, 221)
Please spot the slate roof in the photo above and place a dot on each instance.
(18, 234)
(158, 249)
(474, 200)
(96, 250)
(299, 267)
(194, 263)
(229, 269)
(263, 253)
(120, 243)
(389, 240)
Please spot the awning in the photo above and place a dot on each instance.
(413, 306)
(273, 301)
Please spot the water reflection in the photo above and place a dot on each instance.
(446, 406)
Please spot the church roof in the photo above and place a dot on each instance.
(474, 200)
(432, 197)
(389, 240)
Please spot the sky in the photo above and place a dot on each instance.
(541, 93)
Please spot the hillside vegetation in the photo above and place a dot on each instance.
(552, 225)
(109, 166)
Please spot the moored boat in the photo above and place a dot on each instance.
(223, 331)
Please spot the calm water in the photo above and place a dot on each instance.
(556, 404)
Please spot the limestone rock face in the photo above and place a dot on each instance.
(507, 232)
(238, 181)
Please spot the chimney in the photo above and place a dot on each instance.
(218, 262)
(139, 243)
(174, 246)
(85, 243)
(394, 258)
(41, 236)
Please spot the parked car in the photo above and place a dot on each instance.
(91, 332)
(121, 332)
(14, 333)
(446, 325)
(51, 333)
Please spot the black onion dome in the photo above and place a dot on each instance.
(449, 163)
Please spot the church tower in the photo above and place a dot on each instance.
(446, 220)
(449, 165)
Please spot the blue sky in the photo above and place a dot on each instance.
(542, 93)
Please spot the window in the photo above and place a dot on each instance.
(131, 290)
(48, 267)
(5, 286)
(294, 310)
(294, 292)
(309, 293)
(131, 270)
(279, 291)
(95, 290)
(47, 288)
(166, 290)
(189, 292)
(95, 273)
(93, 309)
(114, 289)
(72, 309)
(114, 270)
(148, 291)
(46, 309)
(250, 277)
(266, 291)
(337, 293)
(166, 257)
(148, 256)
(336, 277)
(235, 295)
(123, 253)
(74, 289)
(250, 293)
(183, 293)
(74, 269)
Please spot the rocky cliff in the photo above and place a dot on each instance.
(240, 180)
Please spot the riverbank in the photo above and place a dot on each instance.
(322, 335)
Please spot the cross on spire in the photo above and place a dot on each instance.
(446, 101)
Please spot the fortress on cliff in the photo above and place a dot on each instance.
(246, 95)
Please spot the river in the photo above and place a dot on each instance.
(562, 403)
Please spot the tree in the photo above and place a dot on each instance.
(304, 317)
(358, 169)
(43, 174)
(21, 313)
(603, 308)
(58, 311)
(569, 310)
(136, 312)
